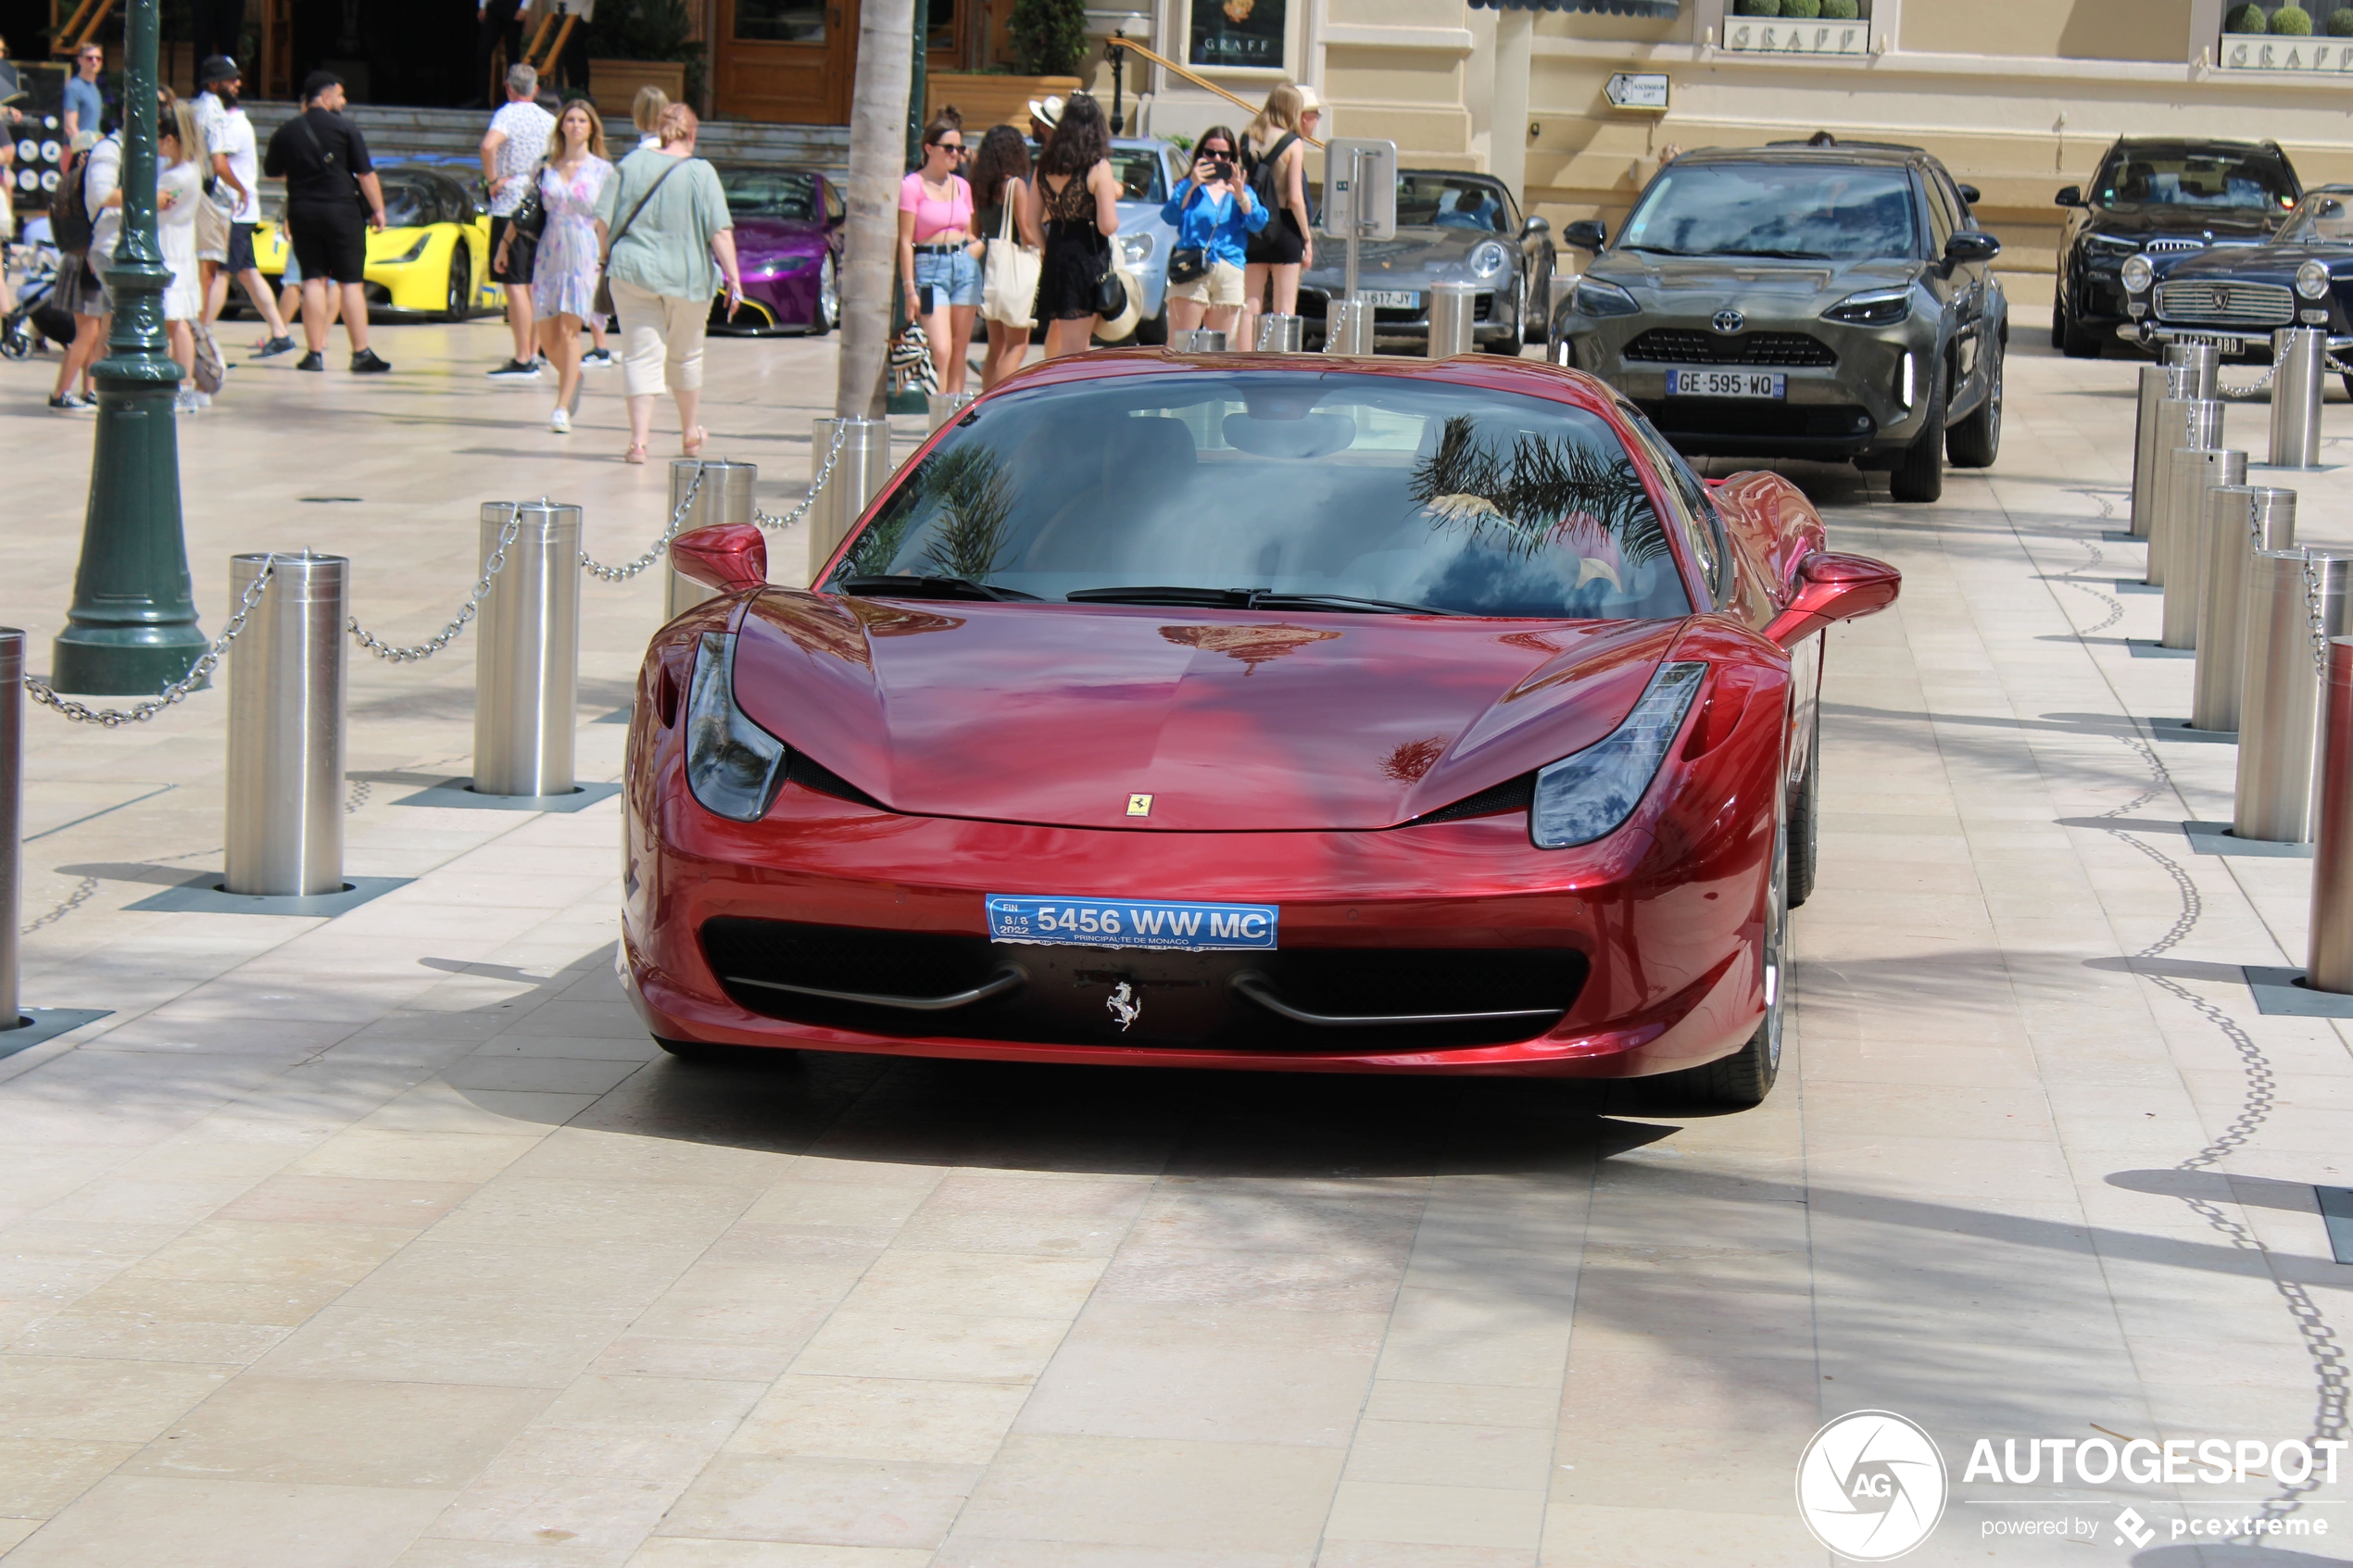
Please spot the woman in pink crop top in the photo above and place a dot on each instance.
(939, 257)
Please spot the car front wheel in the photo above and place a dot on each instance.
(1744, 1078)
(460, 293)
(2075, 341)
(828, 313)
(1920, 475)
(1977, 440)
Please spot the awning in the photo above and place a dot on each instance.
(1605, 7)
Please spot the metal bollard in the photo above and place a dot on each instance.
(2180, 423)
(2196, 367)
(1348, 326)
(11, 818)
(2196, 472)
(1199, 341)
(2329, 964)
(2299, 374)
(725, 496)
(1278, 334)
(528, 663)
(859, 471)
(942, 406)
(283, 825)
(1450, 319)
(2145, 452)
(2280, 707)
(2240, 519)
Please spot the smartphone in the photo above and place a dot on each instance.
(928, 298)
(1225, 172)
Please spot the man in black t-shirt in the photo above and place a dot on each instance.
(324, 162)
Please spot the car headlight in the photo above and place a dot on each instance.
(2112, 245)
(2137, 274)
(1489, 259)
(412, 254)
(1587, 796)
(1135, 249)
(1873, 308)
(1594, 297)
(733, 767)
(2312, 278)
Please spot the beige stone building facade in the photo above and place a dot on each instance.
(2018, 97)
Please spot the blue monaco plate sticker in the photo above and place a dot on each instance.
(1130, 923)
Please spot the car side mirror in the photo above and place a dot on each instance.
(1586, 234)
(730, 557)
(1971, 195)
(1831, 587)
(1533, 227)
(1972, 245)
(2070, 196)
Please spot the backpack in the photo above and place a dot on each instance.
(69, 211)
(1263, 172)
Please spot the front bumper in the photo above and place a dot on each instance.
(1655, 929)
(2147, 334)
(1494, 317)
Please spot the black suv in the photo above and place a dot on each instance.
(1816, 299)
(2160, 196)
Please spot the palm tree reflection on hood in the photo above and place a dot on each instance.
(1547, 491)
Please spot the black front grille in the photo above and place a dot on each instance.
(1759, 416)
(1675, 346)
(1187, 1000)
(1512, 795)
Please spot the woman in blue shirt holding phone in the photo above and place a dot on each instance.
(1213, 215)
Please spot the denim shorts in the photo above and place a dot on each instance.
(954, 274)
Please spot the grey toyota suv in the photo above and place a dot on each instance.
(1812, 299)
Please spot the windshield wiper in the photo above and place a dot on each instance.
(1245, 598)
(926, 587)
(1782, 255)
(1658, 250)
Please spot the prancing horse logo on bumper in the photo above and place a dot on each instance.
(1124, 1005)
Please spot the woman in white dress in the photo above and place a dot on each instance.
(180, 154)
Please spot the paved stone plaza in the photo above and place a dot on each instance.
(392, 1239)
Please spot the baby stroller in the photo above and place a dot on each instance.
(38, 315)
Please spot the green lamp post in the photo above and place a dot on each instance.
(131, 629)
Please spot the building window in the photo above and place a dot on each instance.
(780, 21)
(1247, 33)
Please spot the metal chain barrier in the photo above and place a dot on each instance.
(466, 611)
(817, 486)
(2255, 388)
(110, 718)
(2334, 363)
(2316, 624)
(677, 519)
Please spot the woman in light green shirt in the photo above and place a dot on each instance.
(662, 219)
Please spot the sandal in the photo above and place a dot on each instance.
(636, 453)
(692, 446)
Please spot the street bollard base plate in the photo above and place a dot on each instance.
(204, 894)
(2216, 838)
(459, 794)
(2148, 647)
(47, 1024)
(2134, 585)
(2281, 993)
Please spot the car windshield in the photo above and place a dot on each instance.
(2325, 217)
(412, 200)
(1369, 491)
(759, 192)
(1775, 209)
(1450, 201)
(1142, 178)
(2138, 177)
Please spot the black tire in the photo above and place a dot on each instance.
(1918, 475)
(2348, 384)
(1744, 1078)
(1977, 440)
(1806, 820)
(2075, 341)
(16, 343)
(2058, 318)
(703, 1055)
(1154, 332)
(460, 293)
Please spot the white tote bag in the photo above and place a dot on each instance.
(1011, 286)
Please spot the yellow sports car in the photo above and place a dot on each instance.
(433, 257)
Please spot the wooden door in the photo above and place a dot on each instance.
(786, 62)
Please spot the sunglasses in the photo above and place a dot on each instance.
(1218, 152)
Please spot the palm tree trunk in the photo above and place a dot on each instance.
(877, 134)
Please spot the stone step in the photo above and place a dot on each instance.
(396, 132)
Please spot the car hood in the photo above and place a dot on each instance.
(771, 234)
(2216, 222)
(2244, 262)
(1416, 255)
(1763, 286)
(1231, 721)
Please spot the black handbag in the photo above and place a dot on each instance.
(1110, 295)
(519, 250)
(1187, 264)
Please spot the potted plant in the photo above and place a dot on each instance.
(1801, 10)
(2341, 23)
(635, 44)
(2248, 18)
(1760, 8)
(2292, 22)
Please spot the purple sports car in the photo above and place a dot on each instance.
(789, 238)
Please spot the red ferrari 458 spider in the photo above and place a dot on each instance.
(1239, 711)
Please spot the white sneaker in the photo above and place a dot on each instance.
(184, 402)
(560, 422)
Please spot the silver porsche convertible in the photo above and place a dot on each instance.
(1451, 227)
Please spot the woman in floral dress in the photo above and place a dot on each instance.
(564, 280)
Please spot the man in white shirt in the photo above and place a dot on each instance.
(510, 155)
(236, 163)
